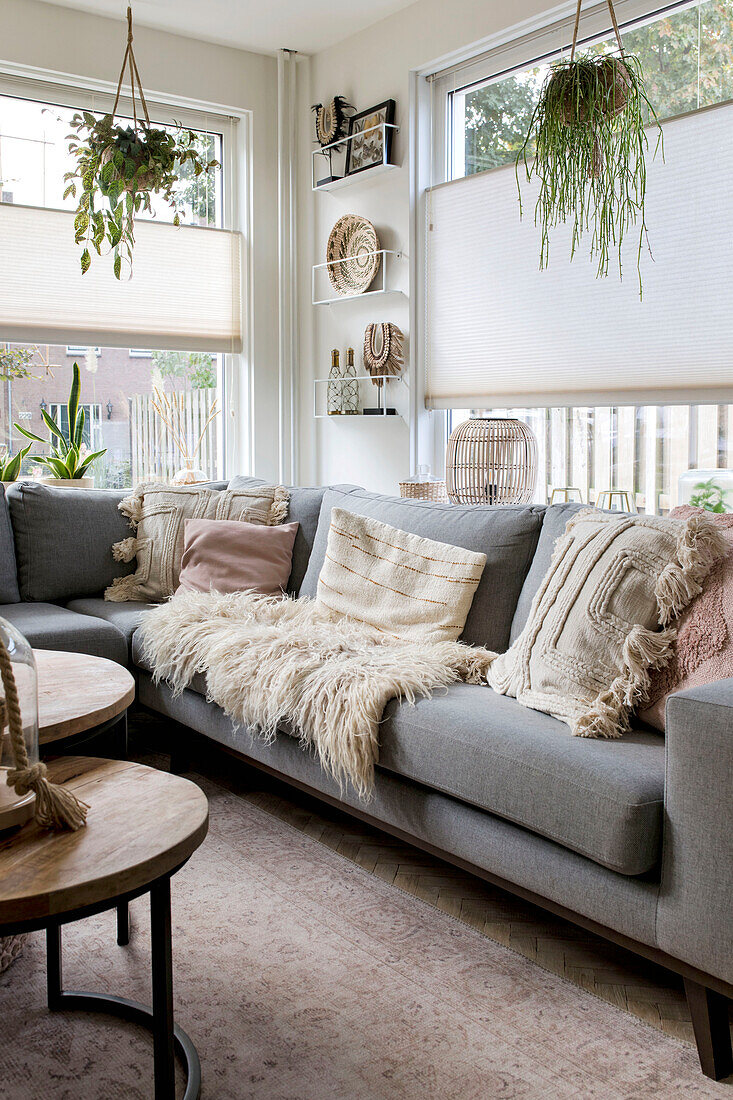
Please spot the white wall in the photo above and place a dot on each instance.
(68, 41)
(368, 68)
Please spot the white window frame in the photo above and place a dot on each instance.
(235, 370)
(92, 415)
(73, 350)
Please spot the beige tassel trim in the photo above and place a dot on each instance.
(608, 716)
(125, 550)
(280, 506)
(122, 589)
(700, 546)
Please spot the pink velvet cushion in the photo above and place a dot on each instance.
(703, 651)
(226, 555)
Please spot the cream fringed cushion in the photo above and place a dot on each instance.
(157, 514)
(593, 633)
(398, 583)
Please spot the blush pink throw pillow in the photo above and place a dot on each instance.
(225, 555)
(703, 651)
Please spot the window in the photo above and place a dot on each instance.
(182, 308)
(624, 393)
(118, 398)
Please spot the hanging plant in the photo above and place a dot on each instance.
(588, 136)
(118, 168)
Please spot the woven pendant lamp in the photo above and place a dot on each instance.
(491, 461)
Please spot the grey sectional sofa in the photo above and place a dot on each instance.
(632, 838)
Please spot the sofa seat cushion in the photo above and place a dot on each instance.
(48, 626)
(125, 616)
(603, 799)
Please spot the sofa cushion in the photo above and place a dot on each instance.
(8, 573)
(506, 535)
(603, 799)
(304, 509)
(124, 616)
(63, 539)
(48, 626)
(554, 519)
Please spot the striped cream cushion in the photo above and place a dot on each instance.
(400, 584)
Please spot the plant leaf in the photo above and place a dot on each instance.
(86, 261)
(29, 435)
(73, 406)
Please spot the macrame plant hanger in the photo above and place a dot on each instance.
(129, 62)
(597, 154)
(56, 808)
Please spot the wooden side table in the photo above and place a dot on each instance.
(142, 826)
(80, 698)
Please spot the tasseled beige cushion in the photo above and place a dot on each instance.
(398, 583)
(593, 633)
(157, 514)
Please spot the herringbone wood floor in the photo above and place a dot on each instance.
(648, 991)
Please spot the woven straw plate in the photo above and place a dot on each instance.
(353, 256)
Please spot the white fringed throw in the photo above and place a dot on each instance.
(274, 661)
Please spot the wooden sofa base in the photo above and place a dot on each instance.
(708, 997)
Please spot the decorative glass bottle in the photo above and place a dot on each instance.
(335, 387)
(350, 391)
(19, 666)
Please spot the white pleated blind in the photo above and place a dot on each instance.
(502, 333)
(185, 292)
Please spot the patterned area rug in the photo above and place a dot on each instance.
(302, 977)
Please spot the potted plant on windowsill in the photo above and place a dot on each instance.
(68, 461)
(10, 466)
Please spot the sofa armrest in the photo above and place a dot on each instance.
(695, 910)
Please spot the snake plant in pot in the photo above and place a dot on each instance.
(118, 168)
(10, 465)
(586, 145)
(69, 460)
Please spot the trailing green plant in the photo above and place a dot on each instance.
(586, 144)
(15, 362)
(68, 459)
(118, 168)
(709, 495)
(10, 464)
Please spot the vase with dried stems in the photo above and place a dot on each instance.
(173, 411)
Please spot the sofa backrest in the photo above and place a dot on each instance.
(9, 592)
(304, 509)
(63, 539)
(553, 525)
(507, 535)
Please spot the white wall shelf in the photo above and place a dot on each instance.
(380, 398)
(328, 164)
(321, 285)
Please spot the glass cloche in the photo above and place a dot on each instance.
(16, 809)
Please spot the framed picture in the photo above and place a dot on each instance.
(370, 143)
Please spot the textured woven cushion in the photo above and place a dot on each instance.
(703, 651)
(397, 582)
(224, 555)
(592, 635)
(157, 514)
(507, 536)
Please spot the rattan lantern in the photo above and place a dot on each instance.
(491, 461)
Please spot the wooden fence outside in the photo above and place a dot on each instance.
(642, 449)
(155, 455)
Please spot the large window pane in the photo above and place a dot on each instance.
(117, 393)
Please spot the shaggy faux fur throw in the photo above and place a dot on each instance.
(270, 662)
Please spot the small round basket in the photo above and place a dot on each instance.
(424, 490)
(352, 254)
(491, 461)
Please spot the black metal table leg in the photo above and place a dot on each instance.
(162, 968)
(123, 924)
(168, 1038)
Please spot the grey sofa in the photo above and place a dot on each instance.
(632, 838)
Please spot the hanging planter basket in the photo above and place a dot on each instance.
(119, 167)
(586, 145)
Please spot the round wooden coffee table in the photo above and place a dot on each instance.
(80, 698)
(142, 826)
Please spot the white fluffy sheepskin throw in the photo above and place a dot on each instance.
(272, 661)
